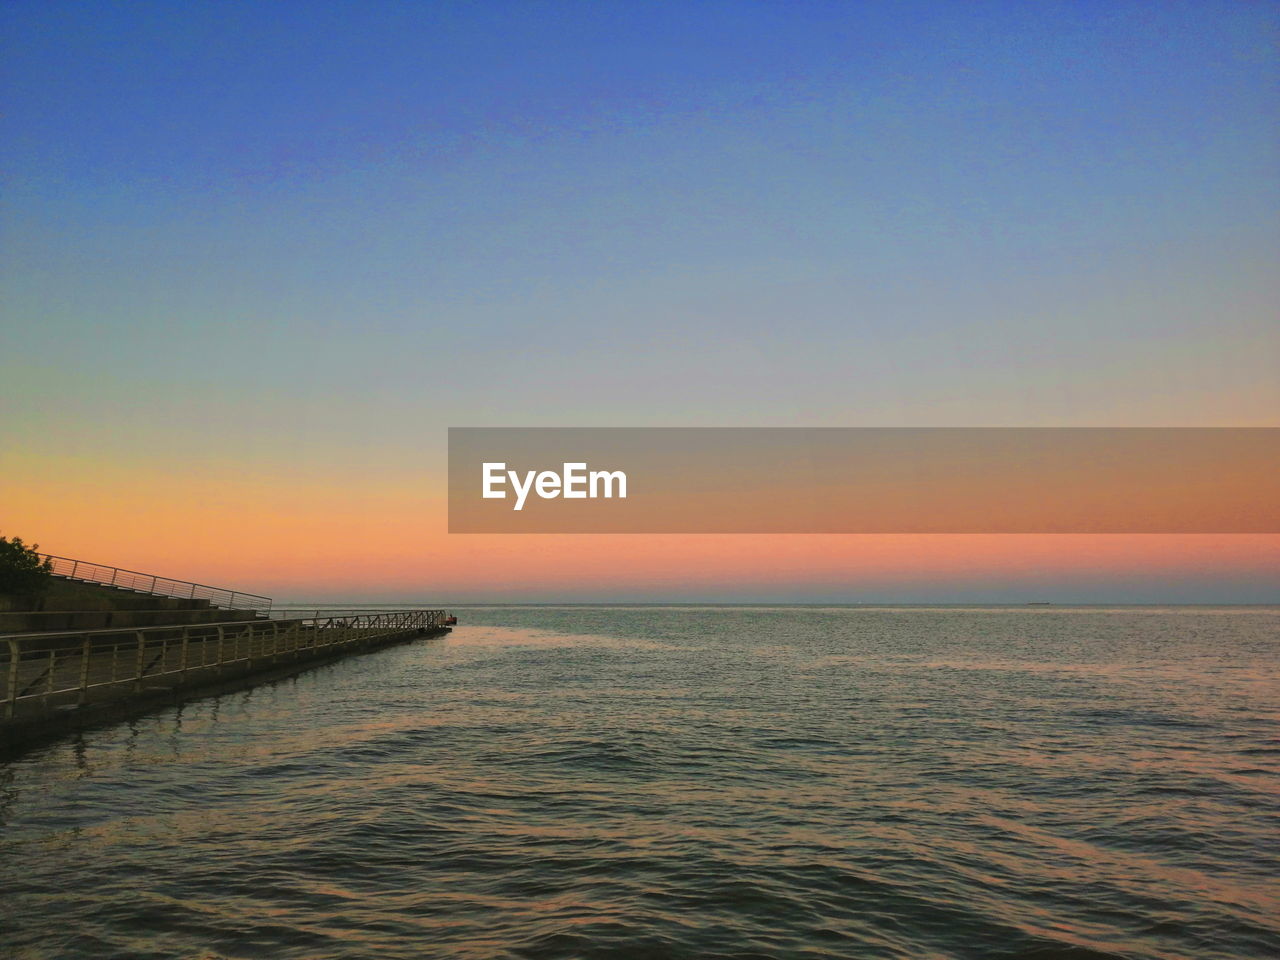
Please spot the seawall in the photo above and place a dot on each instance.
(38, 717)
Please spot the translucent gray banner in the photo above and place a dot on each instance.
(864, 480)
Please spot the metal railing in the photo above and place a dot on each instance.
(312, 612)
(149, 583)
(45, 666)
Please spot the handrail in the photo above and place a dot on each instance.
(100, 573)
(41, 666)
(310, 612)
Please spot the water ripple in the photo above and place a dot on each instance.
(685, 783)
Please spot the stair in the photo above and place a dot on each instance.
(74, 603)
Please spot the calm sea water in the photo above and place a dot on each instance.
(686, 782)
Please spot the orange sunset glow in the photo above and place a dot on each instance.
(317, 542)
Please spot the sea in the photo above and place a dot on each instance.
(924, 783)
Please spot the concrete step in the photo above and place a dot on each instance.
(127, 594)
(33, 621)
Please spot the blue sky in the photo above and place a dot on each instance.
(257, 231)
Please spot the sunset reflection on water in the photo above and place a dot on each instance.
(685, 782)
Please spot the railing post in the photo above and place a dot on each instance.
(182, 662)
(137, 668)
(11, 691)
(84, 668)
(218, 656)
(75, 565)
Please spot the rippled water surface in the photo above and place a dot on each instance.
(685, 782)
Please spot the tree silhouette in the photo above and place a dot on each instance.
(21, 569)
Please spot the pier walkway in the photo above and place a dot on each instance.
(55, 680)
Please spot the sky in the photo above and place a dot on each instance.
(257, 258)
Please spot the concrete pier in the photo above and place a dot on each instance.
(57, 681)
